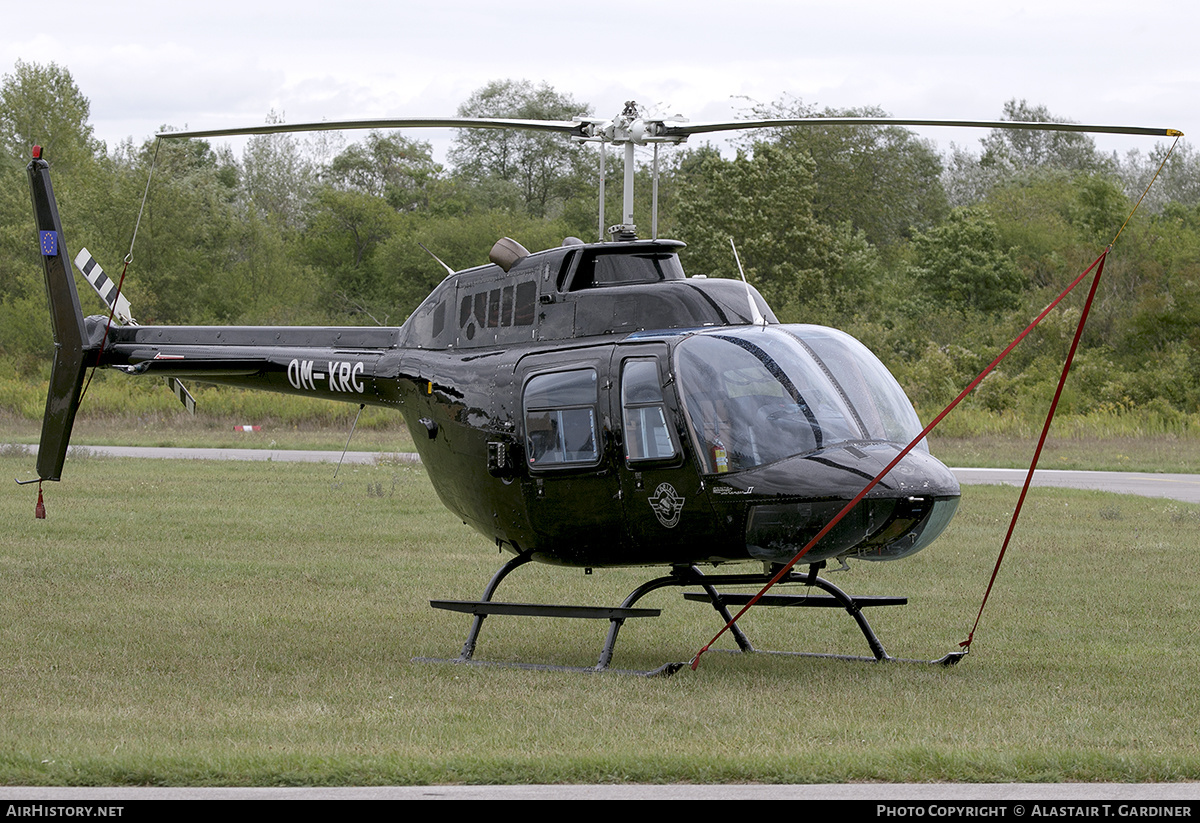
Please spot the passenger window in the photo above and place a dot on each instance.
(560, 419)
(647, 435)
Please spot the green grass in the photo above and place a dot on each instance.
(196, 623)
(180, 430)
(1158, 453)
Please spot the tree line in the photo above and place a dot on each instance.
(933, 259)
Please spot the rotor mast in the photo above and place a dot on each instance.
(629, 130)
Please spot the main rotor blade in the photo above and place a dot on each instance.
(561, 126)
(685, 130)
(670, 131)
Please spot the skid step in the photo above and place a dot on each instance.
(811, 600)
(484, 607)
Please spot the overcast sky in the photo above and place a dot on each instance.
(223, 63)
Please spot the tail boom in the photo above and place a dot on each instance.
(348, 364)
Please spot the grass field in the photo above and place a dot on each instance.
(218, 432)
(197, 623)
(1129, 454)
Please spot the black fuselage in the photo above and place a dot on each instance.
(594, 406)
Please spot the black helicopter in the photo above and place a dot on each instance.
(588, 405)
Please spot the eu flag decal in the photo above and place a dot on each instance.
(49, 243)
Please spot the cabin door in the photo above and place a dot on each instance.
(667, 512)
(571, 488)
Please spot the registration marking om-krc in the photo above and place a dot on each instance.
(340, 376)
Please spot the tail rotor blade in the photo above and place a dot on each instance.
(104, 287)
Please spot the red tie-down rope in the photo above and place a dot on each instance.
(1098, 265)
(1087, 306)
(1037, 453)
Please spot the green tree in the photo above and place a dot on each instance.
(277, 177)
(966, 181)
(343, 231)
(1018, 156)
(1179, 181)
(962, 264)
(1022, 149)
(41, 105)
(545, 169)
(1098, 207)
(405, 273)
(391, 166)
(1031, 213)
(763, 201)
(269, 282)
(188, 239)
(884, 181)
(1055, 220)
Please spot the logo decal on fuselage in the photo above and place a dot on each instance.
(731, 490)
(667, 505)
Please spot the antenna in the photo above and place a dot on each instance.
(435, 257)
(755, 315)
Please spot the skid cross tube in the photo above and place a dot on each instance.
(837, 598)
(679, 576)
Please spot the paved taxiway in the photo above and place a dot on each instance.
(1183, 487)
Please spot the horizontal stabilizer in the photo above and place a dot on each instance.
(185, 396)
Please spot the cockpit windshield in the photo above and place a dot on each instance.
(755, 395)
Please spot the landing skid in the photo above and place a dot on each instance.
(680, 577)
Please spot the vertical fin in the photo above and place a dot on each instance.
(70, 349)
